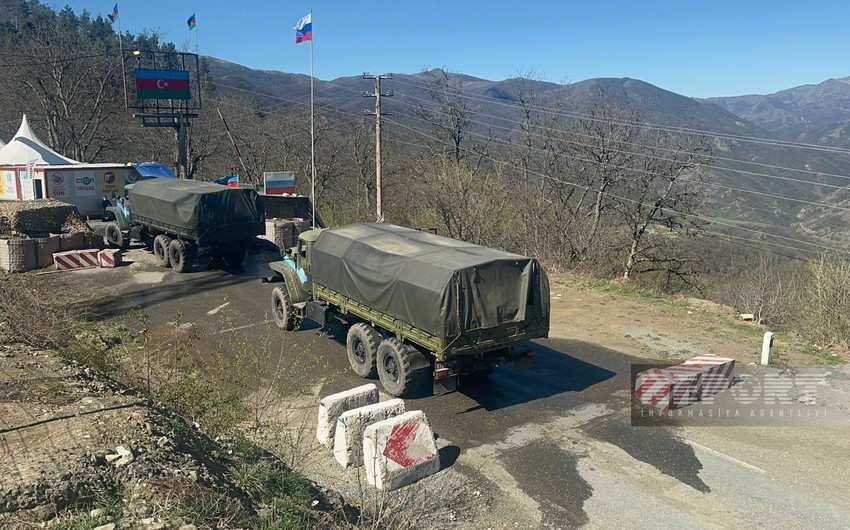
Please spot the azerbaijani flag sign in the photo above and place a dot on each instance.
(113, 17)
(304, 29)
(162, 84)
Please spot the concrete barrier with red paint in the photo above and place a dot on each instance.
(668, 388)
(108, 258)
(718, 373)
(331, 407)
(76, 259)
(399, 451)
(684, 384)
(348, 437)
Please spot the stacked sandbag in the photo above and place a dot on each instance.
(45, 247)
(18, 255)
(40, 216)
(31, 232)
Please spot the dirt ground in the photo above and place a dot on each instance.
(68, 434)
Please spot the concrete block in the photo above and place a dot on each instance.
(399, 451)
(110, 257)
(76, 259)
(718, 373)
(348, 437)
(331, 407)
(669, 388)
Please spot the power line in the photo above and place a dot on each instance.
(709, 184)
(668, 128)
(580, 186)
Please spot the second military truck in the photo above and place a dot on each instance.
(183, 220)
(413, 300)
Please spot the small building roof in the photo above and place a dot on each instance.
(25, 148)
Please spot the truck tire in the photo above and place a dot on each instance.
(114, 237)
(180, 255)
(282, 309)
(394, 369)
(362, 346)
(160, 250)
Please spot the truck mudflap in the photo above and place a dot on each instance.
(447, 374)
(445, 379)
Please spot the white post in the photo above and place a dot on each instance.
(766, 346)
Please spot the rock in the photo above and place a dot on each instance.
(125, 454)
(110, 526)
(97, 512)
(186, 527)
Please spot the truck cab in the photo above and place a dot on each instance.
(289, 300)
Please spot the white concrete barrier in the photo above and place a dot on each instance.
(399, 451)
(110, 257)
(348, 438)
(332, 406)
(75, 259)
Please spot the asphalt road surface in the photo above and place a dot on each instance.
(553, 446)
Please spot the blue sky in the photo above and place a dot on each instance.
(700, 49)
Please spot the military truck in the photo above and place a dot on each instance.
(184, 220)
(412, 301)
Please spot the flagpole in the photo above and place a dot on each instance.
(123, 68)
(312, 136)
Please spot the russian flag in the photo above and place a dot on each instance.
(304, 29)
(278, 183)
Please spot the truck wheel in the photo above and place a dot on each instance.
(394, 366)
(180, 255)
(160, 250)
(114, 237)
(235, 255)
(362, 347)
(282, 309)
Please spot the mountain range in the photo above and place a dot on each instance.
(774, 155)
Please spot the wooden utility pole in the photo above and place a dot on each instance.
(377, 95)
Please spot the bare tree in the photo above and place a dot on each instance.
(71, 81)
(449, 113)
(823, 305)
(658, 199)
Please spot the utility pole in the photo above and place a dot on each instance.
(377, 95)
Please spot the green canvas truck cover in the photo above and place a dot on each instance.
(440, 285)
(203, 211)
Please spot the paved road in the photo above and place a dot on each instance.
(553, 445)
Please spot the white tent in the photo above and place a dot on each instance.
(26, 148)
